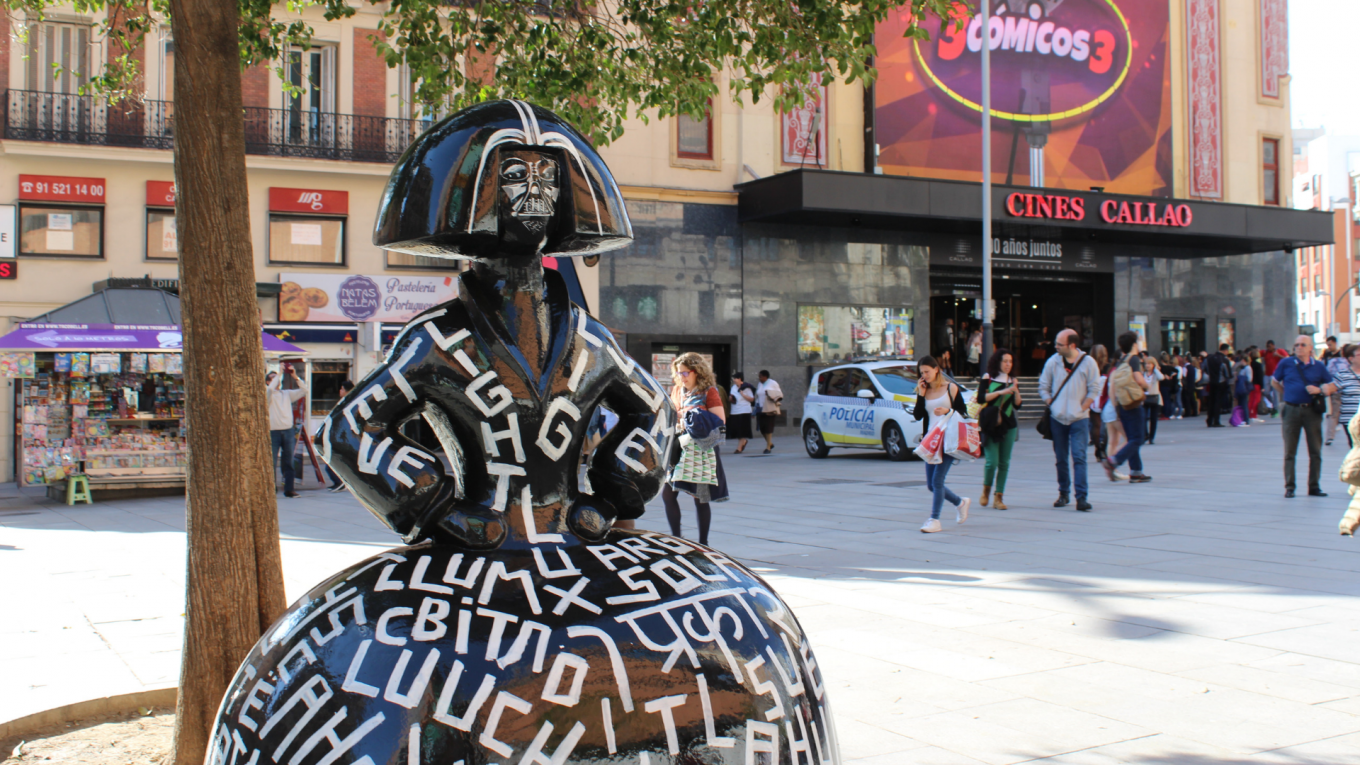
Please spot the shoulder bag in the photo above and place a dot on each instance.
(1045, 424)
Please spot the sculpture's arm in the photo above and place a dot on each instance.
(630, 465)
(402, 483)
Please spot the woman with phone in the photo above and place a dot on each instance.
(936, 396)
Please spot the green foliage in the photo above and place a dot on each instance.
(594, 64)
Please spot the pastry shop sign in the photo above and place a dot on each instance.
(356, 297)
(313, 201)
(1062, 207)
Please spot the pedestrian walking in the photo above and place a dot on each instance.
(1001, 396)
(946, 361)
(337, 485)
(936, 396)
(1069, 382)
(1347, 380)
(1152, 402)
(1171, 386)
(974, 353)
(769, 397)
(695, 390)
(1098, 435)
(944, 336)
(1218, 378)
(1258, 379)
(1109, 416)
(1241, 391)
(282, 429)
(1303, 383)
(1335, 364)
(1128, 387)
(1191, 380)
(1270, 359)
(741, 395)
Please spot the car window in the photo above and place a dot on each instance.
(859, 380)
(897, 380)
(835, 382)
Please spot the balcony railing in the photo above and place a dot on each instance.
(64, 118)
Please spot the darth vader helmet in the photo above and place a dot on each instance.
(495, 176)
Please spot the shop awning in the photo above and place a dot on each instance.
(153, 338)
(1115, 224)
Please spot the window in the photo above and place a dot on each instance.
(694, 138)
(308, 240)
(831, 334)
(1303, 285)
(58, 57)
(900, 381)
(859, 381)
(1317, 254)
(1317, 283)
(836, 383)
(74, 232)
(167, 52)
(326, 379)
(162, 238)
(1270, 171)
(407, 260)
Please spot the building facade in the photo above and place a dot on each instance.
(1324, 180)
(714, 268)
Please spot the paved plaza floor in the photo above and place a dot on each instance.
(1199, 619)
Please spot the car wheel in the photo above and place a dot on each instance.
(812, 441)
(895, 444)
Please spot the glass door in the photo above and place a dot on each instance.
(58, 66)
(310, 99)
(1182, 336)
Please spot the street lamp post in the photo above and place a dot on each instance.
(986, 184)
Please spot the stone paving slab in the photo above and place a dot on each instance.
(1200, 619)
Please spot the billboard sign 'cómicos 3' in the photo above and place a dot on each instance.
(1084, 84)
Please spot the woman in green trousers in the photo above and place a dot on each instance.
(999, 390)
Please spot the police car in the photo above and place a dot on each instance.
(865, 405)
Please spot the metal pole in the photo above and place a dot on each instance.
(987, 185)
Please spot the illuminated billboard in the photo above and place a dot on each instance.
(1082, 85)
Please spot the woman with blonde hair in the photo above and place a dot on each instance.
(695, 391)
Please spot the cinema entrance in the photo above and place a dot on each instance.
(1031, 308)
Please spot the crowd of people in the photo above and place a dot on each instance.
(1113, 401)
(1108, 400)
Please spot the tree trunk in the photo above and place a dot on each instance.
(235, 578)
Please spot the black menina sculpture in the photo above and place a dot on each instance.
(518, 627)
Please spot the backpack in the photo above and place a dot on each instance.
(1224, 373)
(1127, 392)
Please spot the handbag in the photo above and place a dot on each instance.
(1045, 423)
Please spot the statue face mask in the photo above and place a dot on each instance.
(528, 192)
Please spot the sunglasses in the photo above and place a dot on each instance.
(686, 373)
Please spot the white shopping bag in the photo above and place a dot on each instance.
(962, 438)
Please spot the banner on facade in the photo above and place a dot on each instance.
(356, 297)
(1085, 84)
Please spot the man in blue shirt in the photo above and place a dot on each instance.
(1299, 378)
